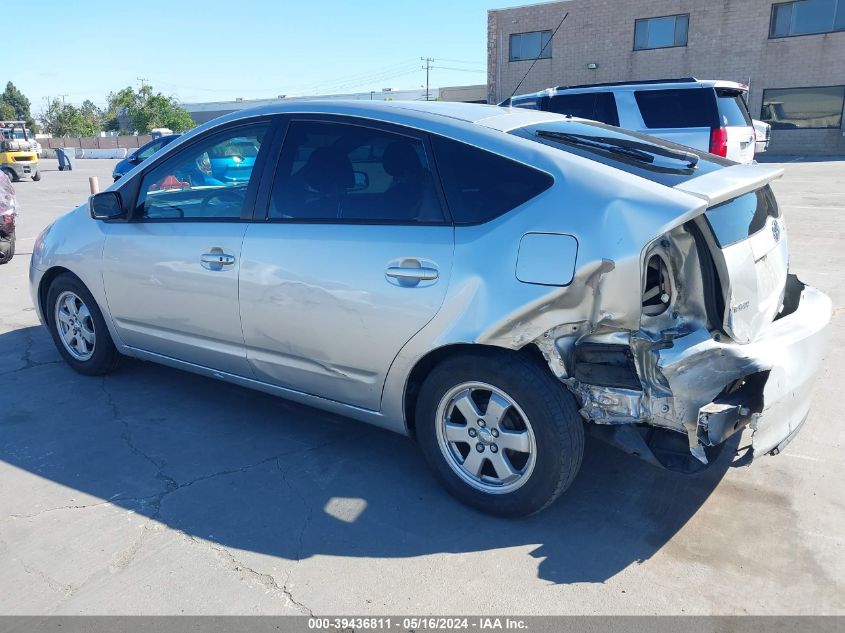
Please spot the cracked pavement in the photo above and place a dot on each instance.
(152, 491)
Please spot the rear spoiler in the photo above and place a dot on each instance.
(729, 183)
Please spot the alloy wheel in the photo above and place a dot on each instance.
(486, 438)
(75, 326)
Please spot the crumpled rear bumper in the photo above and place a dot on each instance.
(718, 388)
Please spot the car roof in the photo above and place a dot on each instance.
(417, 114)
(651, 84)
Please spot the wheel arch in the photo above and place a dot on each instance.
(44, 287)
(436, 356)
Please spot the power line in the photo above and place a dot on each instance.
(462, 61)
(461, 70)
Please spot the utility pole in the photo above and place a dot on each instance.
(143, 81)
(428, 62)
(63, 98)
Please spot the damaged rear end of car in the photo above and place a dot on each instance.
(724, 337)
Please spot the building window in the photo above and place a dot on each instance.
(807, 17)
(526, 46)
(818, 108)
(661, 32)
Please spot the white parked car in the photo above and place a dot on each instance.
(703, 114)
(762, 136)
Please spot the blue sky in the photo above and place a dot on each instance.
(206, 50)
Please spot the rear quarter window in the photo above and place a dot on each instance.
(678, 108)
(732, 109)
(479, 185)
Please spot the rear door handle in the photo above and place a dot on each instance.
(216, 260)
(411, 274)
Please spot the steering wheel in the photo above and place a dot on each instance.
(223, 195)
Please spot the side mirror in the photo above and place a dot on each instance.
(133, 159)
(106, 205)
(362, 181)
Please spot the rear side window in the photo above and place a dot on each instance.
(732, 108)
(684, 108)
(480, 185)
(597, 106)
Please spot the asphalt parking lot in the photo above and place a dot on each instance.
(158, 492)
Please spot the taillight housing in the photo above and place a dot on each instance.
(719, 142)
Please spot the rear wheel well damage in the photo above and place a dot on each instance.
(428, 362)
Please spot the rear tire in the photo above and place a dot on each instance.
(78, 328)
(523, 449)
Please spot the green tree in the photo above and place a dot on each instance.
(7, 112)
(118, 103)
(65, 119)
(144, 110)
(19, 103)
(92, 115)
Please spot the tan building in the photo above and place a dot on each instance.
(791, 54)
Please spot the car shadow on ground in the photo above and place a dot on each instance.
(253, 472)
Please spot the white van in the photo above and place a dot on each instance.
(703, 114)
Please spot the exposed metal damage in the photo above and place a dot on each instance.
(675, 388)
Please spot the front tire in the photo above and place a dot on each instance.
(78, 328)
(7, 250)
(36, 176)
(501, 433)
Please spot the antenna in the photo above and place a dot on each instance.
(507, 102)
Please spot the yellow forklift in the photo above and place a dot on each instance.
(17, 159)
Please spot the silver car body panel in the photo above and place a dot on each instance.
(303, 285)
(163, 301)
(321, 323)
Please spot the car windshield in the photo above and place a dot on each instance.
(646, 156)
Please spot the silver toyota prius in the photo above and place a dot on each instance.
(493, 282)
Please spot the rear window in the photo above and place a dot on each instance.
(597, 106)
(664, 170)
(480, 185)
(677, 108)
(737, 219)
(732, 108)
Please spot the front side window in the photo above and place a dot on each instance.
(678, 108)
(804, 108)
(145, 152)
(807, 17)
(353, 173)
(206, 180)
(480, 185)
(663, 32)
(526, 46)
(597, 106)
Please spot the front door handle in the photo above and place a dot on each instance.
(411, 274)
(216, 260)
